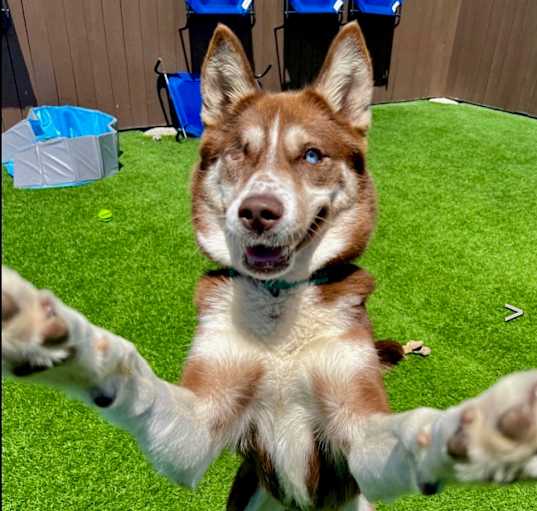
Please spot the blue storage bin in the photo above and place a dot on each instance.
(316, 6)
(219, 6)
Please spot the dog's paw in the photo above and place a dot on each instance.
(35, 337)
(496, 435)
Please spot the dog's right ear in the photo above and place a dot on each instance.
(226, 75)
(346, 78)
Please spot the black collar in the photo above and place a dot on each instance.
(326, 275)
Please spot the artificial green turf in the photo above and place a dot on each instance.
(456, 239)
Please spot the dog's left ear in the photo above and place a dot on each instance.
(346, 80)
(226, 75)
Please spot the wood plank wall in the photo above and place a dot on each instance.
(100, 54)
(494, 58)
(93, 53)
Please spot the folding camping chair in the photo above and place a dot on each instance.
(220, 6)
(378, 20)
(211, 12)
(183, 88)
(313, 23)
(184, 100)
(378, 7)
(313, 6)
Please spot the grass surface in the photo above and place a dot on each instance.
(456, 240)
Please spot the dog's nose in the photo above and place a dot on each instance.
(260, 213)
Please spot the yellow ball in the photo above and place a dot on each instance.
(105, 215)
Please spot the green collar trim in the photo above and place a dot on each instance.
(274, 286)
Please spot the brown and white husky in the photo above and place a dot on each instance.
(283, 367)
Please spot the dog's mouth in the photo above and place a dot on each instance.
(266, 259)
(269, 259)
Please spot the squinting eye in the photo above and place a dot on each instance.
(313, 156)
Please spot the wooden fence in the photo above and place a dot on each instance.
(100, 53)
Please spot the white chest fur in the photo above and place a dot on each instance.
(289, 335)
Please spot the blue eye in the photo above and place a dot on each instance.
(313, 156)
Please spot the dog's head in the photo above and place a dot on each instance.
(281, 189)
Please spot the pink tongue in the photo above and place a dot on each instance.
(263, 254)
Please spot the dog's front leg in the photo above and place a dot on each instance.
(491, 438)
(45, 341)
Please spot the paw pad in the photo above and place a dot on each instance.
(102, 399)
(430, 488)
(520, 421)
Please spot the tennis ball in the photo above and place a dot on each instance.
(105, 215)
